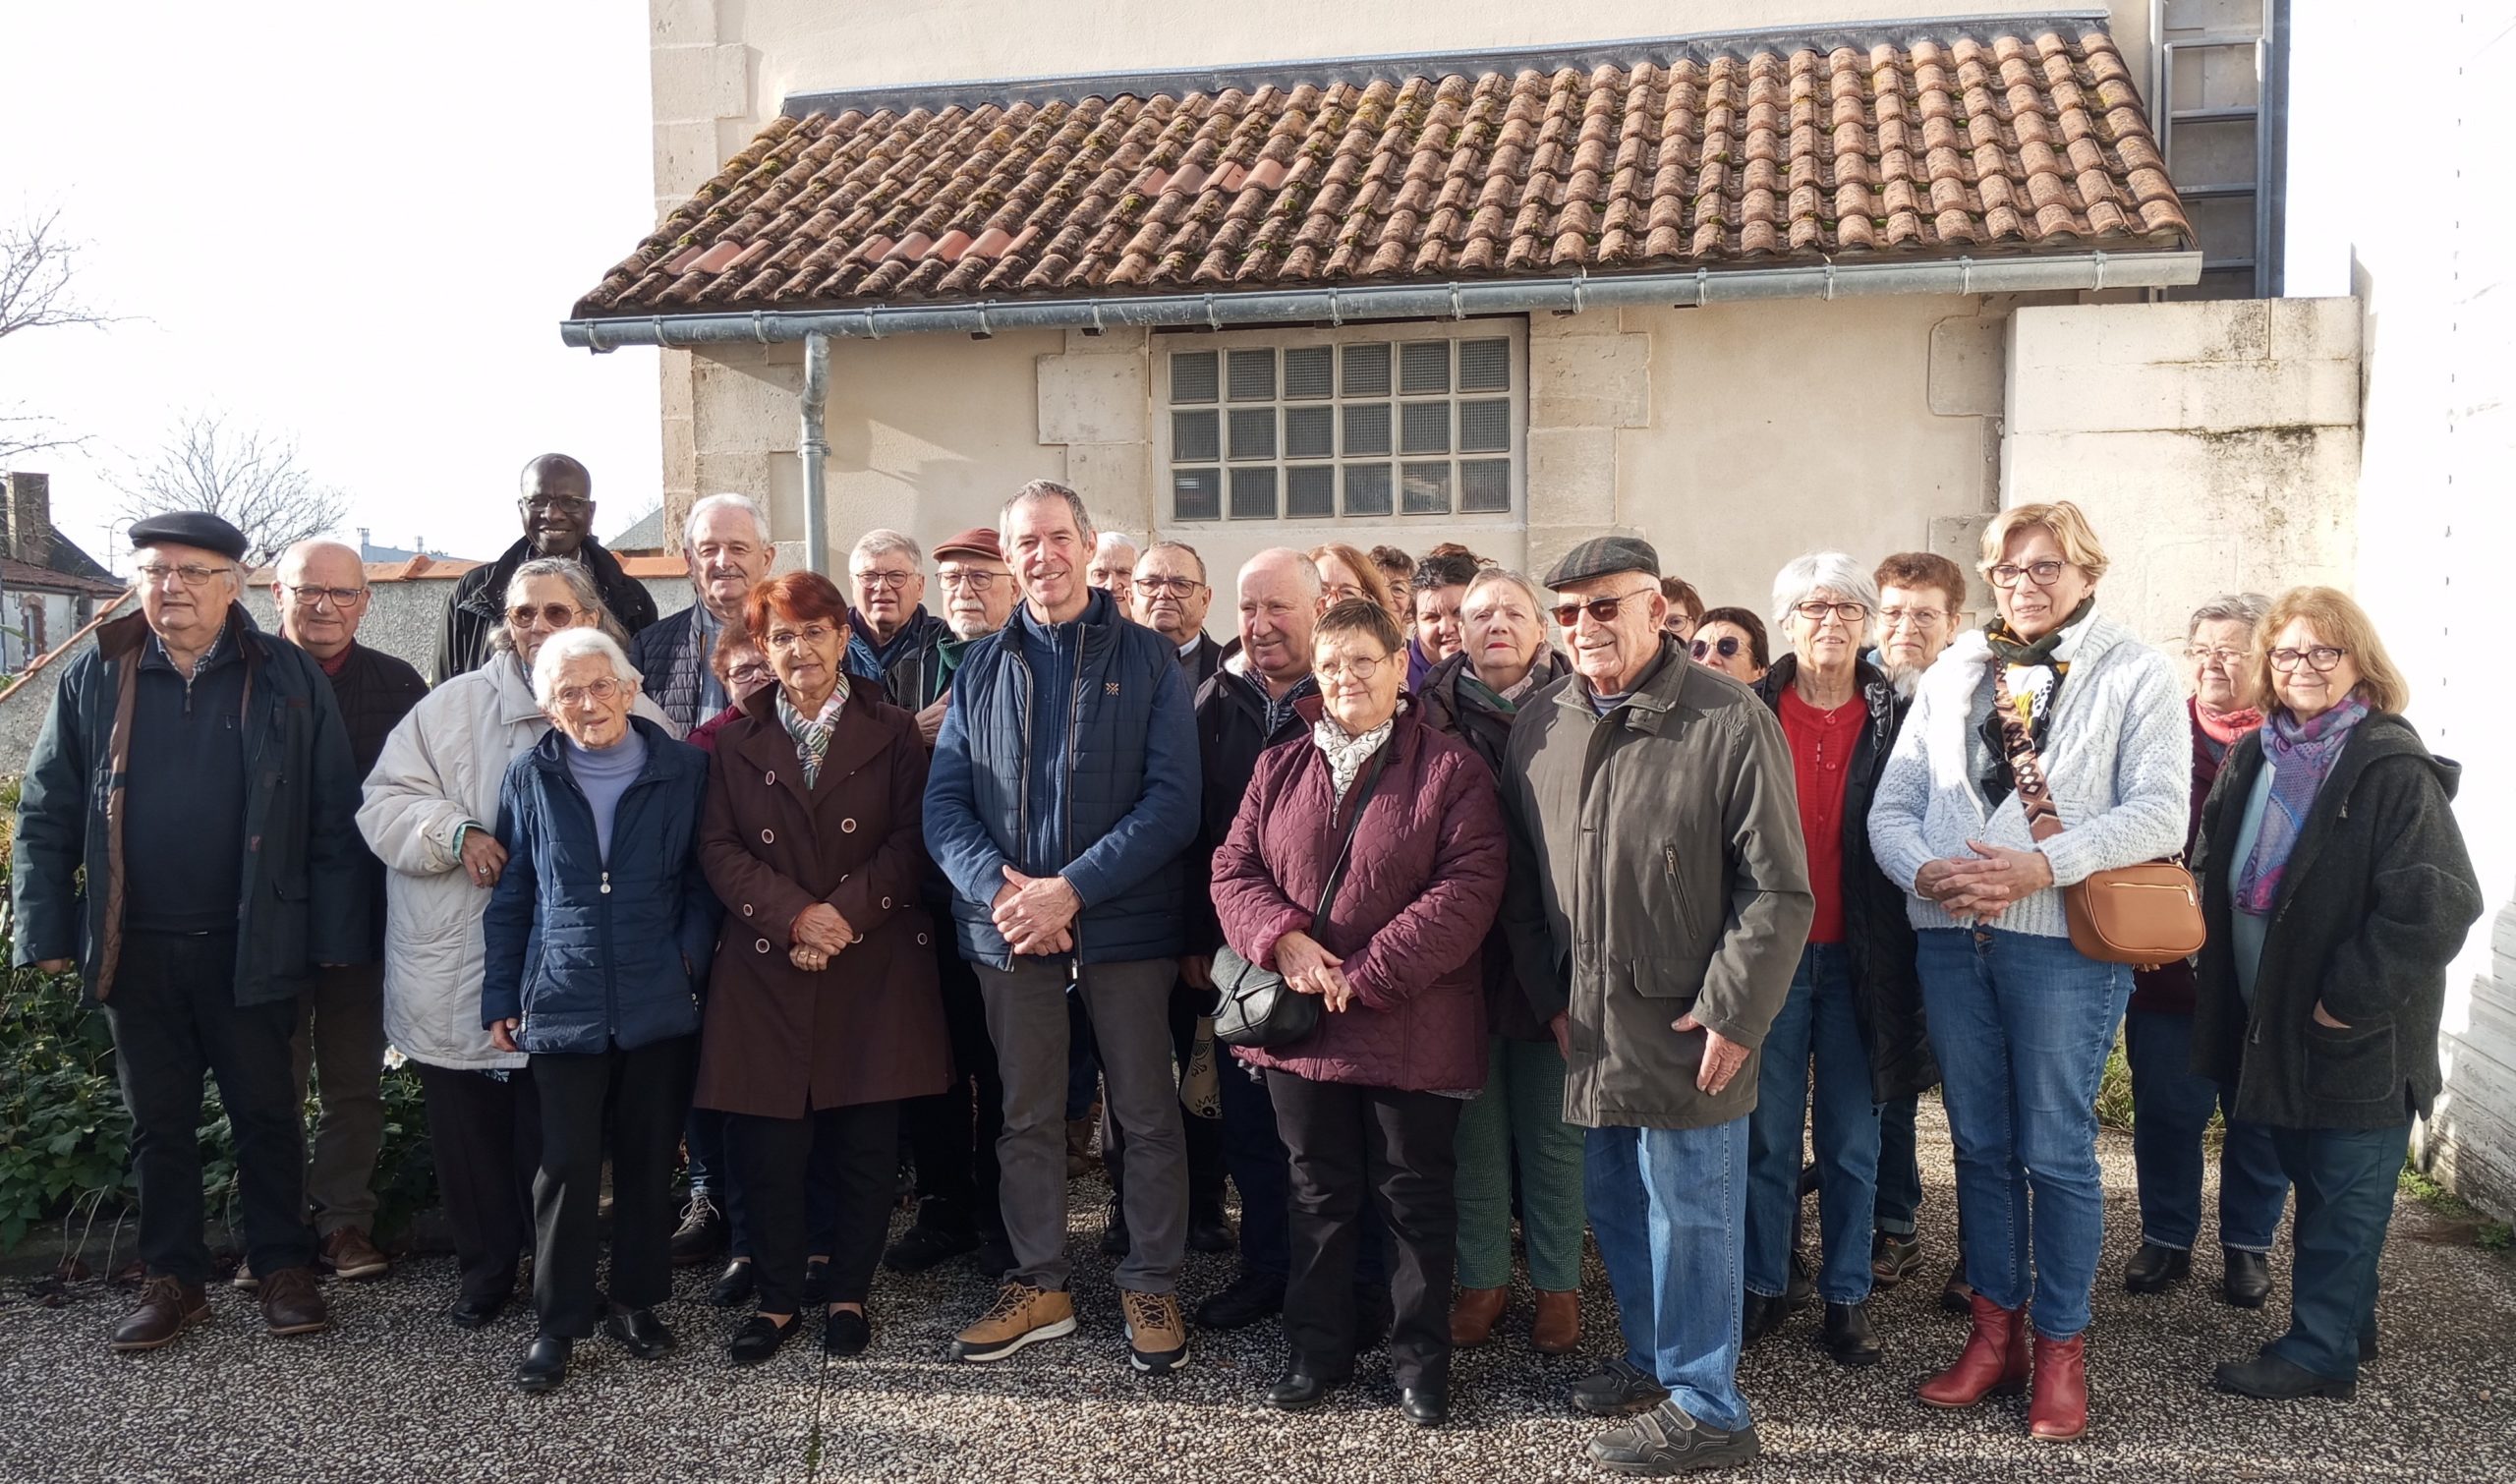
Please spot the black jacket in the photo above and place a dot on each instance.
(374, 691)
(1231, 732)
(477, 605)
(2374, 904)
(1886, 991)
(1198, 665)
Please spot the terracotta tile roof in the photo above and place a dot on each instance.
(2015, 138)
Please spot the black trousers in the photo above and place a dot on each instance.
(1345, 1143)
(485, 1135)
(1204, 1136)
(638, 1097)
(952, 1133)
(173, 1015)
(855, 1150)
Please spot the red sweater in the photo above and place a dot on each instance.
(1821, 746)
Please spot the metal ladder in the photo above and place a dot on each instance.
(2220, 113)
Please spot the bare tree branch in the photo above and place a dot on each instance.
(248, 476)
(37, 266)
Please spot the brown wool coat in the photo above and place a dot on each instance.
(779, 1040)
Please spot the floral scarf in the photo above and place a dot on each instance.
(2036, 674)
(1346, 755)
(812, 733)
(2225, 727)
(2300, 754)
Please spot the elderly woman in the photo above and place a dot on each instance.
(1518, 1120)
(426, 814)
(1398, 573)
(598, 935)
(2021, 1021)
(1854, 1004)
(824, 1009)
(1346, 573)
(2171, 1104)
(741, 667)
(1685, 608)
(1405, 823)
(1733, 641)
(2337, 890)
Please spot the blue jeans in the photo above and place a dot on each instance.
(2021, 1025)
(2345, 1180)
(2170, 1112)
(1669, 1207)
(1899, 1168)
(1816, 1019)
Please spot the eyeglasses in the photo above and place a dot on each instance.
(555, 504)
(882, 582)
(570, 696)
(1600, 609)
(1358, 666)
(557, 615)
(339, 598)
(2224, 659)
(190, 574)
(1853, 614)
(1177, 586)
(1726, 646)
(1920, 618)
(1342, 592)
(747, 674)
(2043, 573)
(814, 634)
(2322, 659)
(976, 581)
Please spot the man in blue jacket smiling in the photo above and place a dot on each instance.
(1063, 790)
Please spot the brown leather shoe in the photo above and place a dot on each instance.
(349, 1253)
(1557, 1329)
(293, 1302)
(166, 1308)
(1473, 1312)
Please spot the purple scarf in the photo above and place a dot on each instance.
(2300, 754)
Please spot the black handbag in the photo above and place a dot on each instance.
(1256, 1007)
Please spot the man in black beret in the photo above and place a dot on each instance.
(555, 499)
(219, 876)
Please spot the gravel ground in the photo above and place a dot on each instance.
(394, 1392)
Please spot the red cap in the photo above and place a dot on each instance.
(978, 540)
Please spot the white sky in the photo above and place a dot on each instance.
(356, 225)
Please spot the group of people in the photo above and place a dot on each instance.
(1609, 913)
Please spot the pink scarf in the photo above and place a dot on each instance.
(2227, 727)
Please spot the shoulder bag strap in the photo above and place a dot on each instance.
(2027, 769)
(1346, 847)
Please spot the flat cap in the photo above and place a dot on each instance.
(978, 540)
(190, 528)
(1604, 557)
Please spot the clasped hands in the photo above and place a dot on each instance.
(1984, 886)
(1312, 970)
(820, 933)
(1036, 913)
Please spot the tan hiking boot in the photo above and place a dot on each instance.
(350, 1253)
(1157, 1337)
(167, 1308)
(1020, 1315)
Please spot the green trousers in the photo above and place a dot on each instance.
(1519, 1118)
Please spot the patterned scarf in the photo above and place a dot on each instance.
(2036, 674)
(812, 734)
(1346, 755)
(2227, 727)
(2300, 754)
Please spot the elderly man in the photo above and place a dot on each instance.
(1113, 563)
(320, 592)
(557, 501)
(725, 545)
(1171, 598)
(196, 770)
(1659, 900)
(1063, 796)
(891, 638)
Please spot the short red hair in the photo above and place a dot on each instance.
(797, 597)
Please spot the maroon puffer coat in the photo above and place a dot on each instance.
(1420, 889)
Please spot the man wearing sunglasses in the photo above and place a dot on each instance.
(1658, 902)
(555, 499)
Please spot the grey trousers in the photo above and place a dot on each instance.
(340, 1039)
(1129, 1005)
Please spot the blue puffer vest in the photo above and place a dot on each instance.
(591, 953)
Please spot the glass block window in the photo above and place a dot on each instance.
(1319, 427)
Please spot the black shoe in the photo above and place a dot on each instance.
(2155, 1269)
(921, 1247)
(1426, 1406)
(1113, 1238)
(816, 1282)
(2248, 1282)
(1957, 1295)
(1373, 1315)
(1761, 1315)
(1618, 1388)
(1245, 1300)
(642, 1332)
(2367, 1344)
(1209, 1230)
(1802, 1287)
(845, 1332)
(1667, 1440)
(1299, 1390)
(760, 1338)
(1846, 1335)
(544, 1365)
(477, 1313)
(2273, 1379)
(736, 1285)
(702, 1233)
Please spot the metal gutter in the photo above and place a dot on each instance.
(1455, 300)
(813, 450)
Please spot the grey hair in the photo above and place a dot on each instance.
(1821, 572)
(575, 644)
(1176, 546)
(1048, 489)
(1496, 576)
(879, 540)
(2246, 609)
(581, 587)
(1305, 571)
(742, 502)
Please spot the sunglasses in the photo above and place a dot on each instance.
(557, 615)
(1727, 648)
(1600, 609)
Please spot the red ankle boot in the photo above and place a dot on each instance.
(1993, 1362)
(2058, 1411)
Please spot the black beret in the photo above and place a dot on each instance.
(1604, 557)
(190, 528)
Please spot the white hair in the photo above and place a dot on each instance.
(1111, 540)
(1495, 576)
(2246, 609)
(575, 644)
(876, 541)
(1803, 577)
(742, 502)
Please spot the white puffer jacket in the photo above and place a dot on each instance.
(440, 770)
